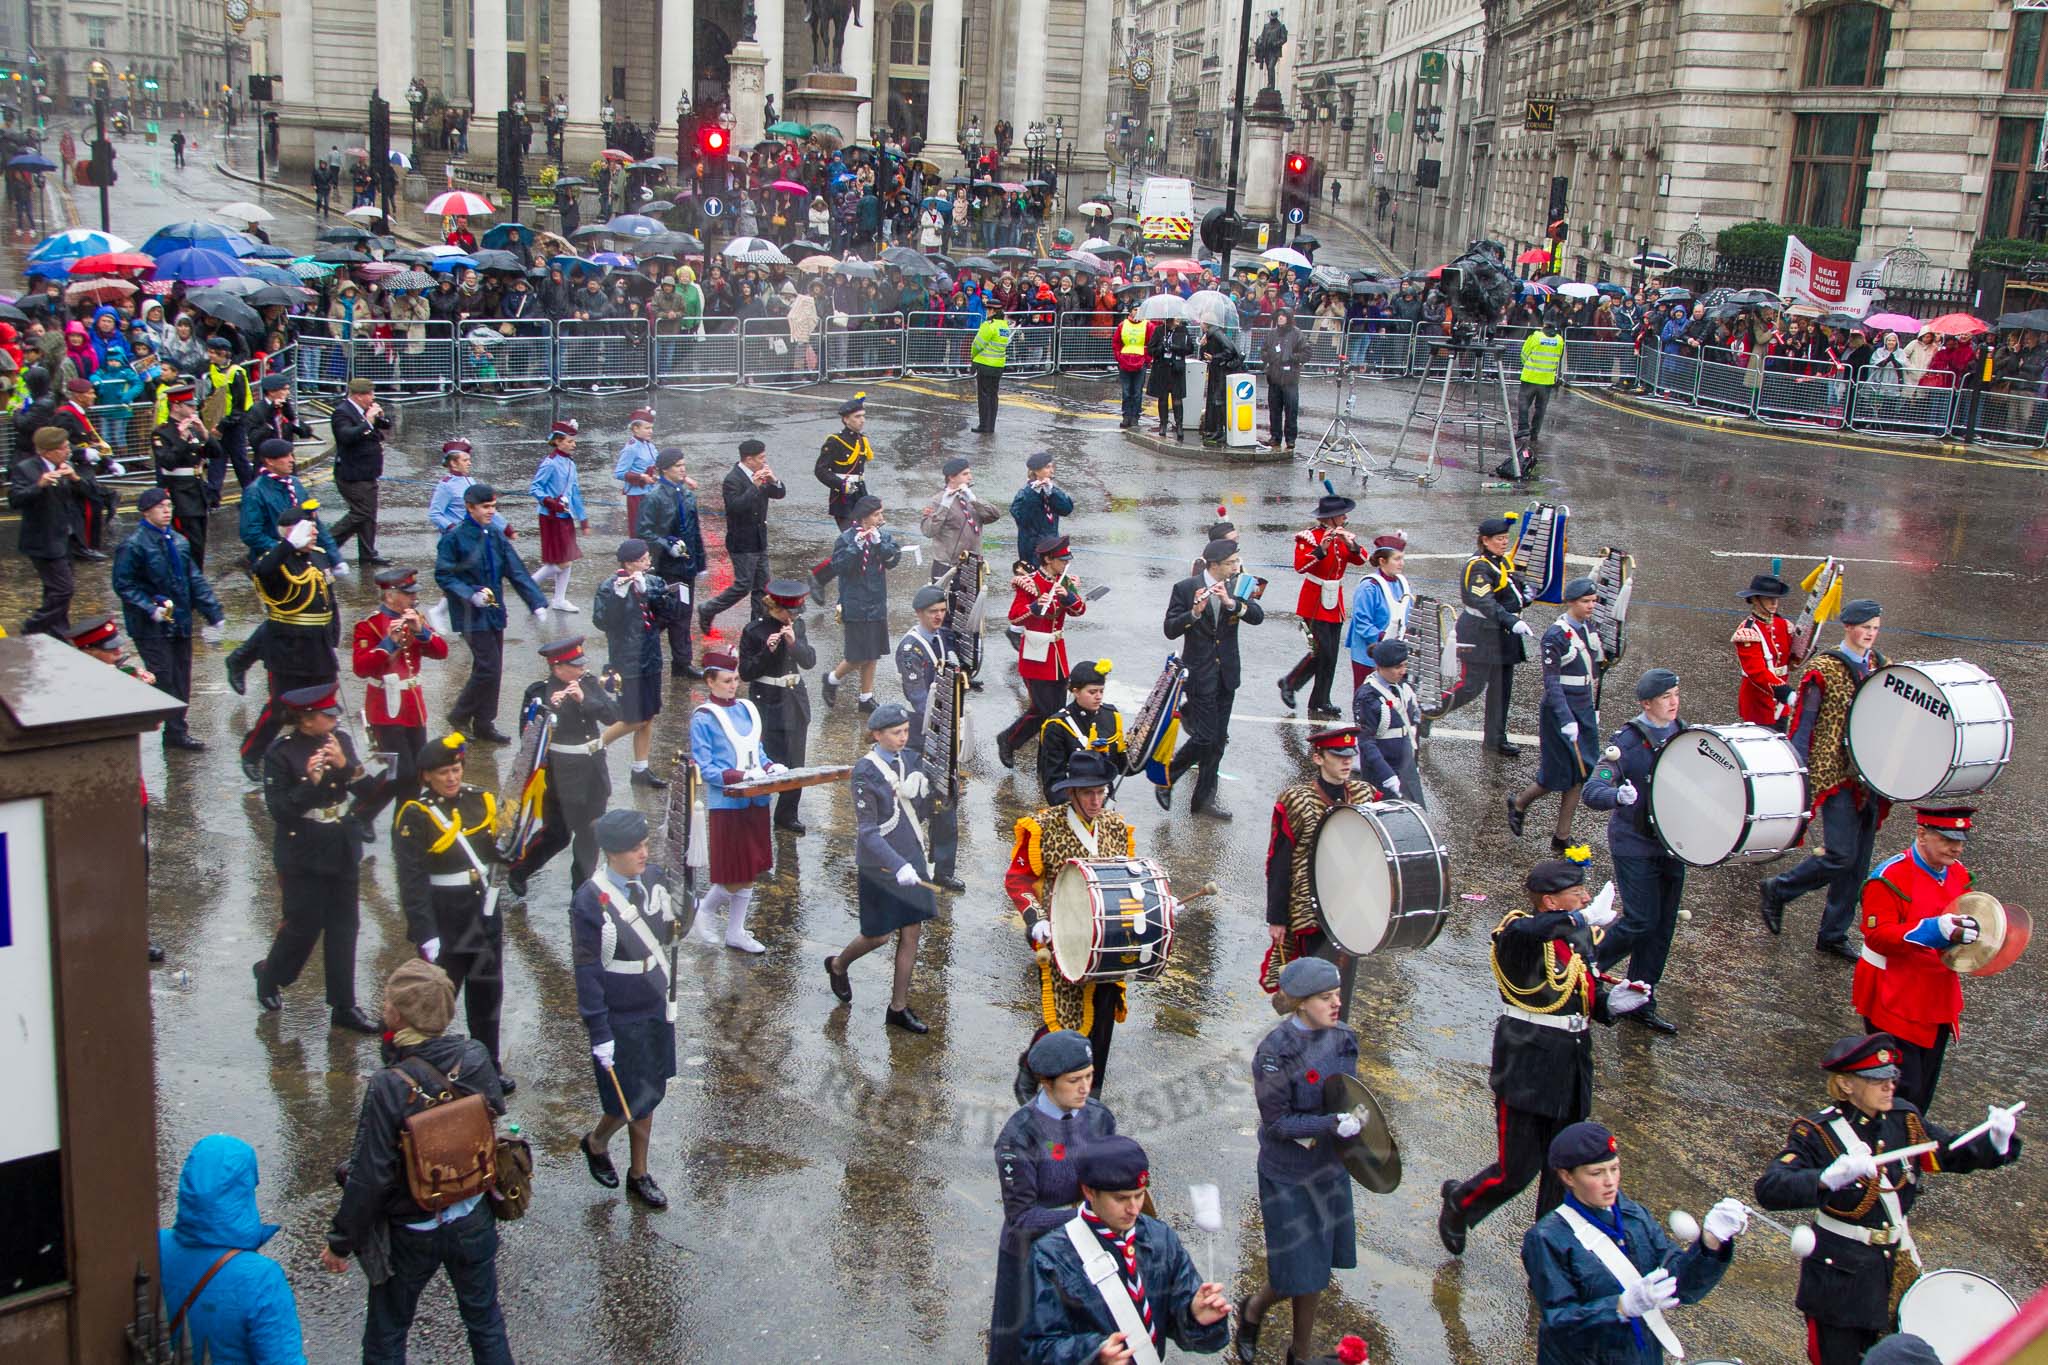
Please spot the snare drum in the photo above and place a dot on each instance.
(1727, 794)
(1112, 919)
(1382, 881)
(1954, 1311)
(1919, 731)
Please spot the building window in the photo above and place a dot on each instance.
(1846, 45)
(1830, 168)
(95, 32)
(515, 21)
(902, 36)
(618, 82)
(2012, 176)
(924, 36)
(2024, 71)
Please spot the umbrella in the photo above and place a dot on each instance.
(1092, 208)
(615, 156)
(34, 162)
(497, 260)
(1010, 253)
(368, 213)
(1840, 320)
(1179, 266)
(508, 234)
(97, 291)
(1652, 260)
(589, 231)
(242, 286)
(633, 284)
(9, 313)
(444, 265)
(1135, 287)
(311, 270)
(112, 263)
(1036, 185)
(1675, 294)
(612, 260)
(1329, 277)
(271, 274)
(421, 257)
(242, 211)
(264, 251)
(1611, 290)
(381, 270)
(635, 225)
(1160, 307)
(1535, 255)
(855, 270)
(1755, 298)
(401, 160)
(343, 232)
(827, 133)
(981, 263)
(72, 243)
(1123, 222)
(458, 204)
(235, 312)
(936, 201)
(1114, 253)
(1536, 287)
(911, 263)
(1212, 308)
(1896, 322)
(1088, 261)
(1307, 241)
(655, 163)
(817, 264)
(569, 182)
(788, 129)
(677, 243)
(924, 165)
(754, 251)
(192, 264)
(1371, 288)
(1578, 289)
(2032, 320)
(567, 263)
(174, 236)
(336, 254)
(1048, 263)
(1095, 243)
(360, 152)
(789, 187)
(1955, 324)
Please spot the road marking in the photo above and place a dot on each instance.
(1588, 561)
(1012, 400)
(1841, 559)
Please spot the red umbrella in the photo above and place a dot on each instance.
(113, 263)
(1947, 325)
(1178, 266)
(785, 186)
(1435, 274)
(1535, 255)
(615, 156)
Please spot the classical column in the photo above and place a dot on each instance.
(1029, 55)
(678, 54)
(942, 119)
(394, 61)
(1095, 54)
(857, 59)
(586, 61)
(487, 97)
(295, 55)
(768, 15)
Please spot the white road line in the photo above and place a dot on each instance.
(1436, 732)
(1909, 563)
(1588, 561)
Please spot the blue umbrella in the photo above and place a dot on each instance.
(191, 233)
(73, 243)
(32, 161)
(270, 274)
(568, 263)
(635, 225)
(507, 234)
(612, 259)
(49, 270)
(1608, 287)
(191, 264)
(444, 264)
(264, 251)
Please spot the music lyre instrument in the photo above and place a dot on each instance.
(685, 851)
(945, 707)
(790, 779)
(1823, 591)
(1149, 727)
(1539, 550)
(965, 608)
(1431, 634)
(215, 407)
(1614, 585)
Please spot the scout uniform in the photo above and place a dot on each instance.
(861, 560)
(1037, 510)
(892, 801)
(1298, 814)
(725, 744)
(1074, 728)
(1320, 556)
(633, 611)
(1763, 651)
(1864, 1255)
(1042, 647)
(395, 700)
(577, 785)
(444, 847)
(156, 575)
(473, 565)
(1389, 719)
(771, 668)
(919, 656)
(1492, 599)
(634, 469)
(299, 632)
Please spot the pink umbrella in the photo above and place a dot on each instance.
(380, 270)
(1891, 322)
(1176, 267)
(1956, 325)
(788, 187)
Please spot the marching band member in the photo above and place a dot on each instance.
(842, 467)
(1570, 727)
(1082, 828)
(1038, 507)
(725, 744)
(891, 801)
(445, 508)
(1320, 554)
(619, 924)
(1849, 812)
(953, 521)
(473, 565)
(669, 524)
(183, 448)
(1902, 985)
(1651, 879)
(919, 654)
(1380, 603)
(773, 648)
(1763, 651)
(747, 489)
(634, 608)
(578, 784)
(1389, 718)
(1304, 1189)
(861, 560)
(1601, 1268)
(387, 648)
(560, 495)
(1849, 1285)
(1146, 1284)
(634, 469)
(1493, 600)
(1040, 609)
(266, 499)
(1222, 529)
(1203, 610)
(299, 626)
(1038, 1161)
(156, 576)
(1085, 722)
(444, 840)
(1542, 1075)
(1298, 813)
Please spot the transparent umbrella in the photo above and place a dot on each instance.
(1212, 308)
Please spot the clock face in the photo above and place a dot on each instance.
(238, 11)
(1141, 70)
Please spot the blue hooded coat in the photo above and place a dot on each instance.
(246, 1315)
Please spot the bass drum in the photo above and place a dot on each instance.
(1921, 731)
(1112, 919)
(1382, 881)
(1727, 794)
(1954, 1311)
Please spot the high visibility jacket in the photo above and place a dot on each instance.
(1541, 356)
(992, 343)
(1130, 345)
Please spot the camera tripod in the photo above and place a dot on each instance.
(1481, 415)
(1340, 447)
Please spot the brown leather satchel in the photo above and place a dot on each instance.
(448, 1146)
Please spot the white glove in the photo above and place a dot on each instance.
(301, 534)
(1040, 935)
(603, 1052)
(214, 633)
(1522, 629)
(1348, 1126)
(1958, 928)
(1727, 1220)
(1392, 786)
(431, 950)
(914, 786)
(676, 550)
(1600, 911)
(2003, 1122)
(906, 875)
(340, 570)
(162, 612)
(1653, 1293)
(1570, 729)
(479, 597)
(754, 774)
(1849, 1168)
(1628, 997)
(1625, 794)
(624, 586)
(774, 768)
(115, 468)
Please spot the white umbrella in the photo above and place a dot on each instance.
(366, 212)
(1578, 289)
(1095, 244)
(242, 211)
(458, 204)
(1284, 255)
(1093, 206)
(442, 249)
(754, 251)
(1212, 308)
(1160, 307)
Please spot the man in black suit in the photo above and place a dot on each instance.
(47, 491)
(359, 426)
(1205, 612)
(274, 416)
(748, 486)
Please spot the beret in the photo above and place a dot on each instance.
(49, 438)
(1218, 550)
(1580, 587)
(631, 549)
(1306, 976)
(621, 830)
(150, 498)
(478, 492)
(959, 464)
(442, 752)
(1059, 1052)
(1553, 875)
(1861, 612)
(867, 505)
(927, 596)
(669, 458)
(888, 715)
(276, 448)
(1387, 653)
(1654, 683)
(1115, 1163)
(1582, 1144)
(1088, 673)
(1038, 459)
(1496, 526)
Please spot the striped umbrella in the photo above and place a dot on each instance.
(458, 204)
(754, 251)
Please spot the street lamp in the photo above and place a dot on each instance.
(102, 154)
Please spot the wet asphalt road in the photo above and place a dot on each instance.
(834, 1196)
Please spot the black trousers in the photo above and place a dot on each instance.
(1919, 1067)
(785, 744)
(234, 447)
(749, 578)
(1498, 682)
(317, 907)
(555, 835)
(171, 661)
(194, 531)
(1205, 733)
(679, 629)
(468, 1250)
(361, 519)
(1524, 1140)
(1849, 839)
(1283, 411)
(478, 699)
(1650, 891)
(1047, 695)
(1172, 401)
(1529, 419)
(1319, 663)
(402, 783)
(1103, 1032)
(53, 614)
(473, 955)
(988, 380)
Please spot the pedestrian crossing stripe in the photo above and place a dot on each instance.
(1169, 227)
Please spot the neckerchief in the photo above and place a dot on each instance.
(1123, 1247)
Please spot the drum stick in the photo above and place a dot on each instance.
(620, 1091)
(1205, 889)
(1959, 1140)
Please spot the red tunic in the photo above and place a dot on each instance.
(1913, 993)
(1320, 555)
(1051, 665)
(1765, 664)
(398, 698)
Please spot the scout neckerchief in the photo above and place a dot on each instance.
(1113, 1270)
(1615, 1261)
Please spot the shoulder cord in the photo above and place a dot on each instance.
(1566, 984)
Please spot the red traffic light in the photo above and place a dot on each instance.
(713, 141)
(1297, 164)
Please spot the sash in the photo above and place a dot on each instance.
(1615, 1263)
(747, 750)
(454, 828)
(1397, 608)
(904, 809)
(1844, 1134)
(1101, 1269)
(1393, 708)
(620, 906)
(1087, 837)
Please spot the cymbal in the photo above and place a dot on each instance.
(1372, 1157)
(2003, 932)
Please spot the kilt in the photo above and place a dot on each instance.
(886, 907)
(643, 1060)
(1309, 1230)
(639, 697)
(866, 641)
(742, 845)
(558, 541)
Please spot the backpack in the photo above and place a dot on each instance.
(447, 1147)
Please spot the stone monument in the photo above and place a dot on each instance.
(1266, 128)
(828, 95)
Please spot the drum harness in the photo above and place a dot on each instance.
(1397, 607)
(746, 750)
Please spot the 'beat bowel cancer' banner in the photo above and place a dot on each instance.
(1828, 284)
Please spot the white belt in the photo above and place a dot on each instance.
(189, 472)
(325, 815)
(1874, 959)
(786, 680)
(634, 966)
(588, 747)
(1574, 682)
(1870, 1237)
(464, 880)
(1569, 1023)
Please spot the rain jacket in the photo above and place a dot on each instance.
(102, 344)
(246, 1315)
(114, 382)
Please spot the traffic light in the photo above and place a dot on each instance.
(1297, 166)
(713, 141)
(511, 151)
(1297, 186)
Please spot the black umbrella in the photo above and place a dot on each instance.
(9, 313)
(235, 312)
(1009, 253)
(1048, 263)
(1674, 295)
(1371, 287)
(569, 182)
(803, 249)
(633, 283)
(1840, 320)
(979, 263)
(1755, 298)
(1305, 241)
(1141, 286)
(592, 230)
(342, 232)
(941, 261)
(958, 180)
(418, 258)
(1114, 252)
(498, 260)
(1121, 222)
(339, 255)
(1037, 185)
(1652, 260)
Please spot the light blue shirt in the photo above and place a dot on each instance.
(556, 478)
(1370, 613)
(445, 508)
(636, 458)
(453, 1213)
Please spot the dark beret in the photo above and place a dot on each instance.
(276, 448)
(669, 458)
(1654, 683)
(150, 498)
(959, 464)
(1582, 1144)
(1114, 1164)
(1387, 653)
(1306, 976)
(1038, 459)
(1218, 550)
(1580, 587)
(442, 752)
(478, 492)
(1861, 612)
(927, 596)
(1496, 526)
(621, 830)
(272, 383)
(1058, 1053)
(888, 715)
(631, 549)
(1553, 875)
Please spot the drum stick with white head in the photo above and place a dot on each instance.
(1960, 1140)
(1685, 1229)
(1207, 1202)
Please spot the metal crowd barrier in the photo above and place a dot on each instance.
(2014, 419)
(416, 360)
(322, 368)
(1088, 341)
(933, 346)
(861, 345)
(1592, 361)
(1883, 404)
(768, 356)
(1034, 349)
(703, 357)
(1802, 397)
(604, 353)
(491, 364)
(1726, 388)
(1380, 345)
